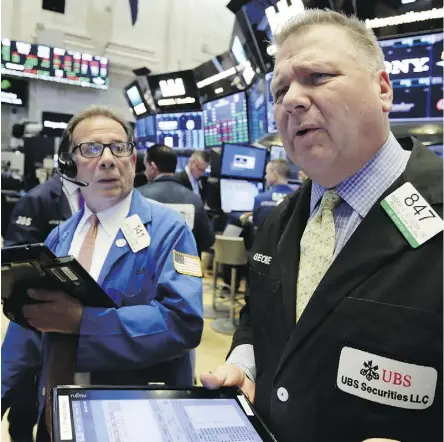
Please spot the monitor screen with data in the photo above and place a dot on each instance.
(257, 110)
(246, 162)
(226, 120)
(238, 195)
(42, 62)
(139, 415)
(271, 122)
(182, 130)
(415, 66)
(145, 133)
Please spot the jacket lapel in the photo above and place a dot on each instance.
(140, 206)
(375, 243)
(289, 249)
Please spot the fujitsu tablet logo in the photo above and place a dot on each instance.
(78, 395)
(404, 66)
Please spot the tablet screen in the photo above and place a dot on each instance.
(131, 416)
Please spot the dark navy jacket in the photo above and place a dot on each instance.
(264, 202)
(37, 213)
(167, 189)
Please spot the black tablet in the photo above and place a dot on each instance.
(160, 414)
(36, 266)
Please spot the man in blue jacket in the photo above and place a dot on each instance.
(276, 177)
(143, 256)
(163, 186)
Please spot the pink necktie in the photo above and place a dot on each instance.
(87, 249)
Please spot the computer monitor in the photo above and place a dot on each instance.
(278, 152)
(238, 195)
(135, 98)
(245, 162)
(415, 65)
(54, 123)
(271, 122)
(215, 161)
(226, 120)
(257, 110)
(182, 130)
(182, 161)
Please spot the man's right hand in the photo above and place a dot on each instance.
(229, 375)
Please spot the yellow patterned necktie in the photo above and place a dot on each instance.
(317, 249)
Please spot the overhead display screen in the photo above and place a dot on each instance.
(54, 123)
(54, 64)
(14, 92)
(136, 100)
(175, 91)
(181, 130)
(145, 133)
(257, 110)
(415, 65)
(226, 120)
(271, 122)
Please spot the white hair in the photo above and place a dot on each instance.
(363, 38)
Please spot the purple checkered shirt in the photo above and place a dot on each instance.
(359, 193)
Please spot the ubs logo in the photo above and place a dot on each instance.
(370, 371)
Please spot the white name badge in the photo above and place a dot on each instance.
(135, 233)
(386, 381)
(412, 215)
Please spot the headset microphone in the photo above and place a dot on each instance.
(78, 183)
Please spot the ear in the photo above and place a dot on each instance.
(385, 90)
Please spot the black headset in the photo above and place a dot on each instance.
(66, 166)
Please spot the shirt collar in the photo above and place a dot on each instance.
(362, 190)
(190, 177)
(111, 218)
(70, 188)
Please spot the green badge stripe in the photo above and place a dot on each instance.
(399, 224)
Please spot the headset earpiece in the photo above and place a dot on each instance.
(66, 165)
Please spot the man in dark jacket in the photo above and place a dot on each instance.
(341, 335)
(194, 170)
(33, 218)
(160, 164)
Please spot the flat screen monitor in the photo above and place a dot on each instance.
(14, 91)
(278, 152)
(217, 77)
(136, 100)
(215, 161)
(54, 123)
(182, 161)
(257, 110)
(43, 62)
(238, 195)
(226, 120)
(240, 161)
(180, 130)
(175, 91)
(271, 122)
(415, 65)
(145, 132)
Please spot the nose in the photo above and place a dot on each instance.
(296, 98)
(107, 160)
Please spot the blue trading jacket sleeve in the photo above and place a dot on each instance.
(169, 324)
(21, 354)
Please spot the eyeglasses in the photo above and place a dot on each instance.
(95, 149)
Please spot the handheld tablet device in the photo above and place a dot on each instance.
(35, 266)
(160, 414)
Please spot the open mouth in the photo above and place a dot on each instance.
(302, 132)
(108, 180)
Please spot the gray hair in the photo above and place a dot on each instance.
(200, 155)
(93, 111)
(363, 38)
(280, 167)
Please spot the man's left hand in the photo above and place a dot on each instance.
(59, 313)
